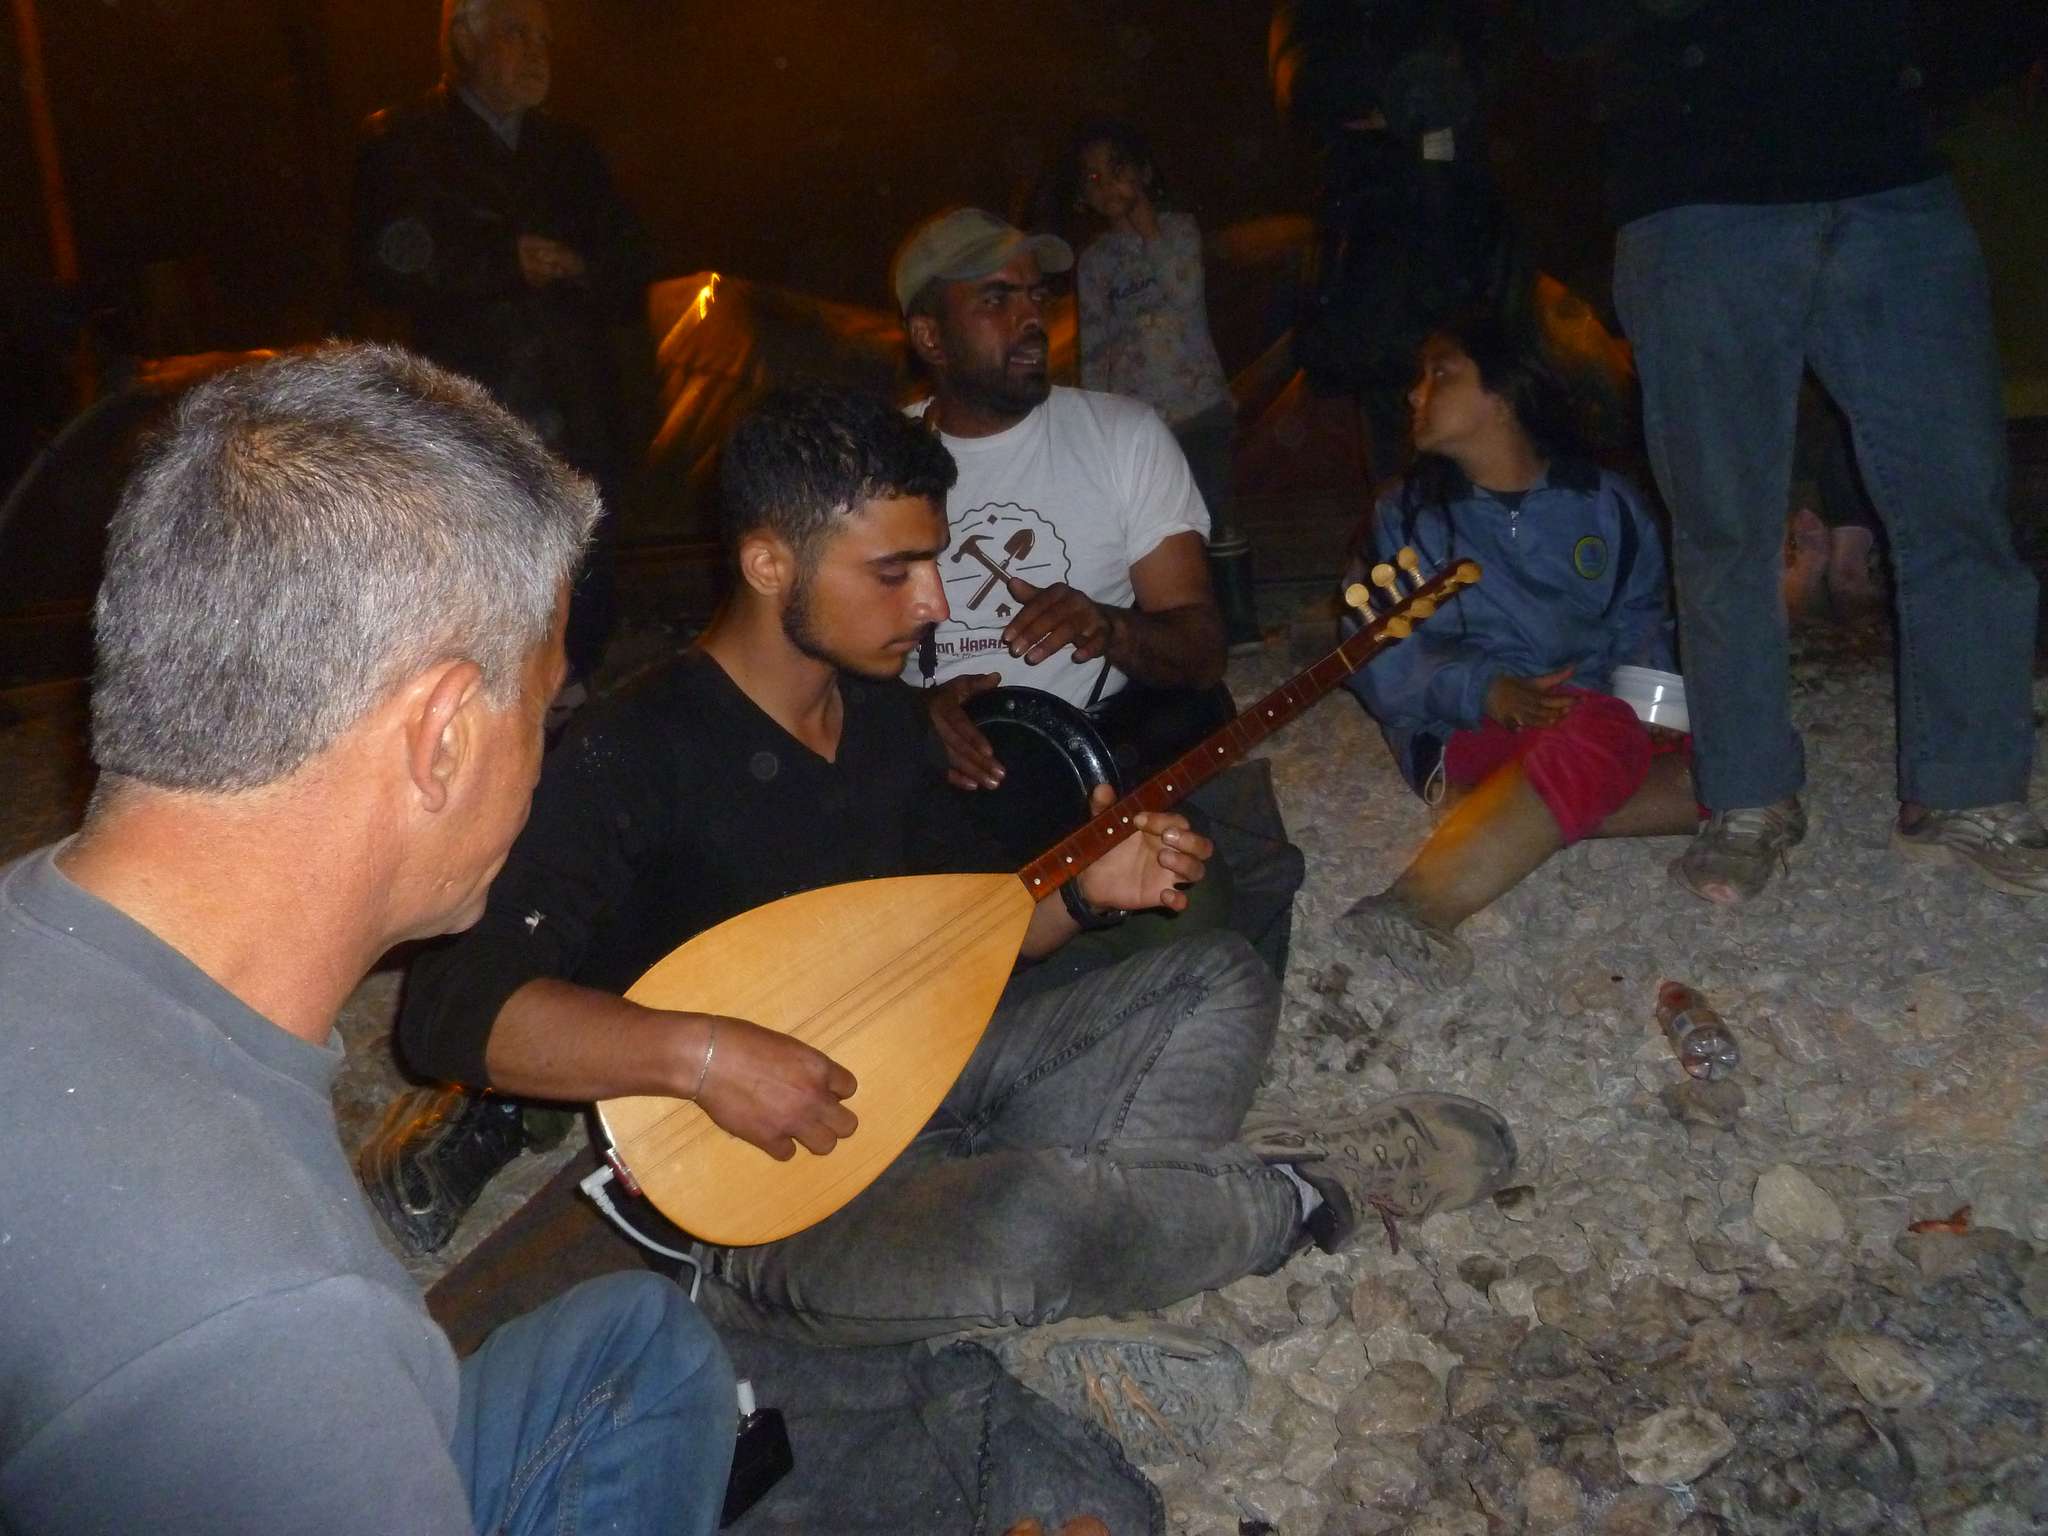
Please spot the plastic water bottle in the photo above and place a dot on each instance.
(1699, 1038)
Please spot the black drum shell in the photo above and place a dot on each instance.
(1052, 755)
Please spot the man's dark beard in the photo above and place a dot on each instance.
(995, 392)
(801, 632)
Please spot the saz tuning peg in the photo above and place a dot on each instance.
(1419, 608)
(1383, 577)
(1402, 608)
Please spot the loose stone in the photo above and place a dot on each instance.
(1375, 1304)
(1516, 1297)
(1792, 1208)
(2034, 1288)
(1517, 1202)
(1398, 1397)
(1550, 1501)
(1641, 1512)
(1677, 1445)
(1472, 1388)
(1550, 1352)
(1884, 1371)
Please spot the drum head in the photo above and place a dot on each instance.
(1052, 755)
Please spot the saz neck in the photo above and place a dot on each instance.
(1192, 769)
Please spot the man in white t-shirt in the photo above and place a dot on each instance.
(1077, 562)
(1078, 554)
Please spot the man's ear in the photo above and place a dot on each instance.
(926, 342)
(767, 564)
(441, 708)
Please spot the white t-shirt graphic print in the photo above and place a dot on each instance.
(1078, 492)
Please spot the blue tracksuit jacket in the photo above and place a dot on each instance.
(1574, 576)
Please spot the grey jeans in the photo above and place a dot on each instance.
(1083, 1164)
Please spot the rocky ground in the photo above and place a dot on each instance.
(1699, 1309)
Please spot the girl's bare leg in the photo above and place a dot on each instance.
(1490, 839)
(1666, 805)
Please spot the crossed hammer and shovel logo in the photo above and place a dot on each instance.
(1015, 548)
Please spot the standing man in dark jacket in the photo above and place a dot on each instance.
(1780, 209)
(495, 231)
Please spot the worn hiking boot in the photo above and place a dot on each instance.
(1405, 1158)
(2005, 846)
(1427, 955)
(1160, 1389)
(434, 1152)
(1736, 852)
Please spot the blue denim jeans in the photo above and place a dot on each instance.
(1885, 297)
(609, 1409)
(1083, 1164)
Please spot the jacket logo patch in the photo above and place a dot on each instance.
(1589, 557)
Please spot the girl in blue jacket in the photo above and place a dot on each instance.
(1503, 697)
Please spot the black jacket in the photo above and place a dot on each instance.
(440, 204)
(1751, 101)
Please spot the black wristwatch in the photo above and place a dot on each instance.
(1092, 919)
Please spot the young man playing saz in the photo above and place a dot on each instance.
(1092, 1157)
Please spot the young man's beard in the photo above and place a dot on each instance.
(800, 629)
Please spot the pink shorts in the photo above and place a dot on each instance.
(1584, 768)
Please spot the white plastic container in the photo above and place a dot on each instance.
(1658, 698)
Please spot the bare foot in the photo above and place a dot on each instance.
(1807, 548)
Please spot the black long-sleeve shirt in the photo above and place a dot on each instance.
(672, 809)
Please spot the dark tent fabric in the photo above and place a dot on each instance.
(719, 342)
(722, 340)
(53, 524)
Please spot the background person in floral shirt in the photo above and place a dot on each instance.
(1144, 319)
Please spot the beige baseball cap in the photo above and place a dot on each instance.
(962, 244)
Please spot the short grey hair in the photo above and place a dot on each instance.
(305, 534)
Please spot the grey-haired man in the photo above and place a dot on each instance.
(330, 625)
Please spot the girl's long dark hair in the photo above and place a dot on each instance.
(1511, 364)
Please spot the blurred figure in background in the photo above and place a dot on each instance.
(495, 234)
(1145, 326)
(1409, 229)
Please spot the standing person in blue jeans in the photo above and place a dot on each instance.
(330, 627)
(1780, 209)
